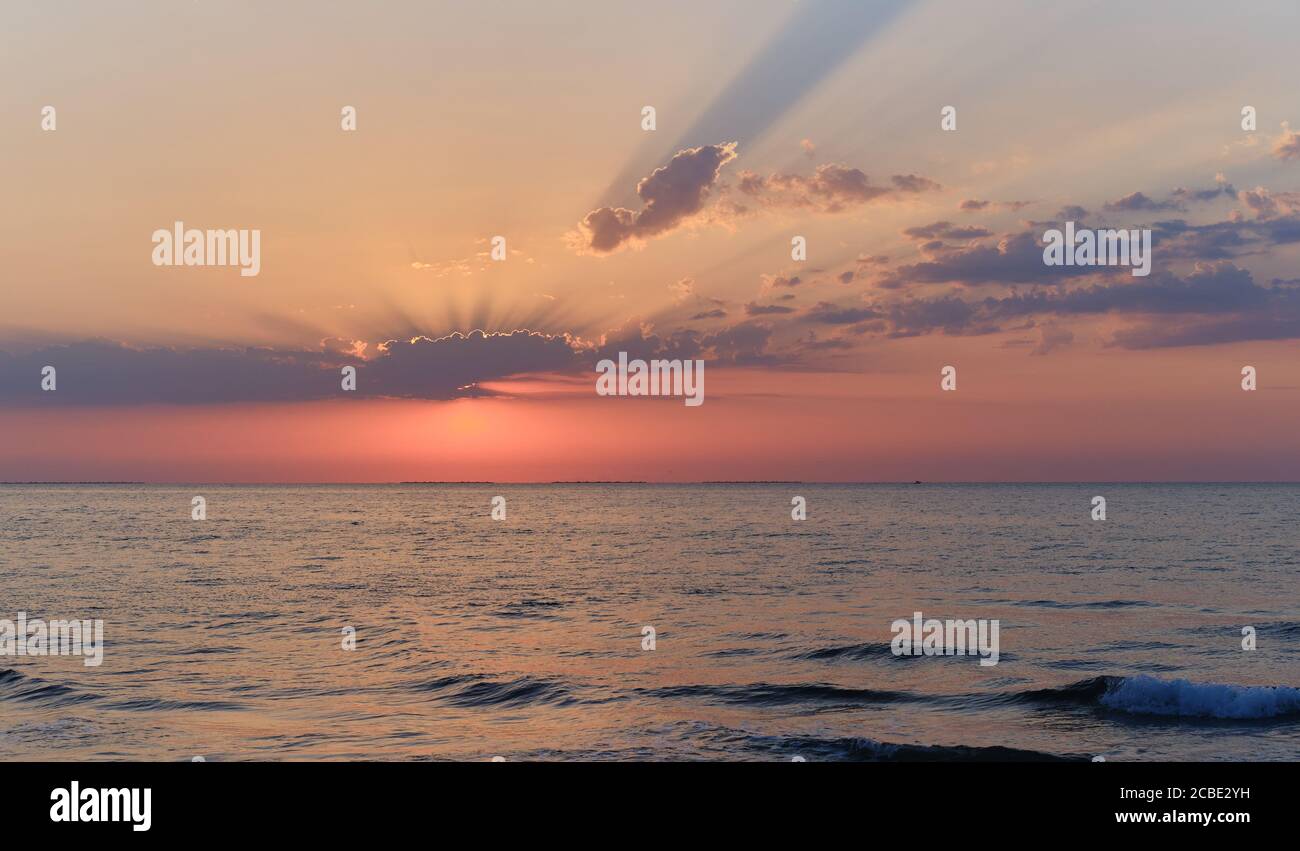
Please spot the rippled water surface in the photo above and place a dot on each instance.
(523, 638)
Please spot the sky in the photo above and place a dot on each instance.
(773, 119)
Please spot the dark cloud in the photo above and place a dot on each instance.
(913, 183)
(408, 368)
(975, 205)
(948, 314)
(743, 344)
(672, 194)
(1222, 189)
(1217, 302)
(813, 343)
(946, 230)
(105, 373)
(753, 309)
(832, 188)
(716, 313)
(1016, 258)
(833, 314)
(1140, 201)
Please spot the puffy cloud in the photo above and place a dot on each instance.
(1222, 188)
(779, 281)
(1140, 201)
(677, 194)
(832, 188)
(682, 290)
(1287, 145)
(672, 195)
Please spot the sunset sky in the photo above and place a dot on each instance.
(774, 118)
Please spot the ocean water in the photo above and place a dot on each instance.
(522, 638)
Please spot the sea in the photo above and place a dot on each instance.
(593, 621)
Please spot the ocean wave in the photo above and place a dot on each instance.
(856, 652)
(26, 689)
(158, 704)
(470, 690)
(1091, 604)
(1145, 695)
(869, 750)
(768, 694)
(860, 749)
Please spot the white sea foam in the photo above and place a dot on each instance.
(1145, 695)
